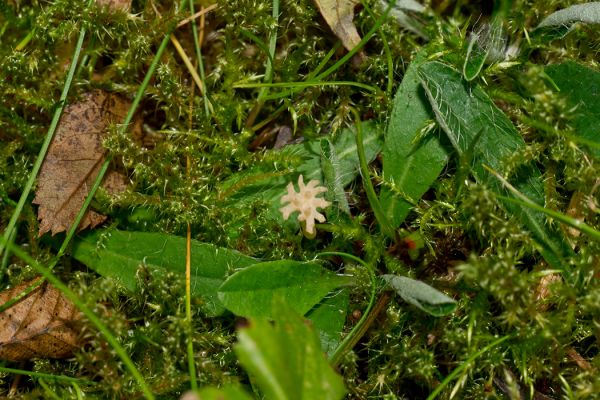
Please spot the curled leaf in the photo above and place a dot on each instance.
(41, 325)
(339, 14)
(421, 295)
(74, 160)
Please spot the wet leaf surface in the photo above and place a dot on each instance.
(42, 325)
(74, 160)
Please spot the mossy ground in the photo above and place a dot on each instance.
(474, 250)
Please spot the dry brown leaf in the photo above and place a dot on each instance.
(74, 160)
(115, 5)
(42, 325)
(339, 14)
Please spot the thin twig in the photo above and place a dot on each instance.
(196, 15)
(188, 63)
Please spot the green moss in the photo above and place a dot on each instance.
(474, 249)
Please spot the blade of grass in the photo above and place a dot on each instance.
(49, 392)
(524, 201)
(47, 274)
(384, 223)
(264, 91)
(464, 365)
(188, 307)
(359, 46)
(317, 78)
(387, 51)
(49, 135)
(46, 376)
(121, 130)
(188, 268)
(305, 84)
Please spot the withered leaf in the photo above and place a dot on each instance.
(339, 14)
(74, 160)
(42, 325)
(115, 5)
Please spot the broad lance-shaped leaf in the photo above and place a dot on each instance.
(285, 358)
(263, 185)
(421, 295)
(227, 392)
(581, 86)
(119, 254)
(329, 317)
(250, 292)
(412, 165)
(587, 13)
(479, 129)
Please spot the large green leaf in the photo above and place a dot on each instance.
(228, 392)
(421, 295)
(286, 360)
(250, 292)
(581, 86)
(480, 130)
(588, 13)
(328, 317)
(262, 185)
(412, 165)
(119, 254)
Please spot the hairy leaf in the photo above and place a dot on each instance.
(250, 292)
(285, 358)
(581, 86)
(588, 13)
(41, 325)
(262, 185)
(421, 295)
(401, 11)
(74, 159)
(118, 254)
(330, 165)
(479, 129)
(409, 163)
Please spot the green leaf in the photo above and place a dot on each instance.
(485, 45)
(421, 295)
(225, 393)
(250, 292)
(412, 165)
(587, 13)
(480, 130)
(330, 165)
(328, 317)
(474, 60)
(286, 360)
(580, 85)
(261, 185)
(118, 255)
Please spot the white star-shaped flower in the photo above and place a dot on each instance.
(306, 202)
